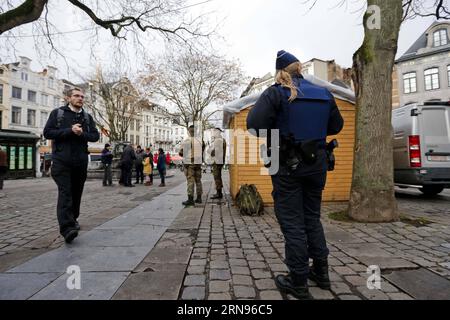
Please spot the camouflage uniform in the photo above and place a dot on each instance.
(193, 165)
(193, 174)
(217, 166)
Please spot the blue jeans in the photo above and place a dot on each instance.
(297, 208)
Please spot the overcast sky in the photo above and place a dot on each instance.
(254, 30)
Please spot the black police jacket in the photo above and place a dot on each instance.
(67, 147)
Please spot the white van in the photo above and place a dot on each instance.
(422, 146)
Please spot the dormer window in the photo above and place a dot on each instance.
(440, 38)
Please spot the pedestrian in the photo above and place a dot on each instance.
(304, 114)
(107, 158)
(148, 167)
(126, 161)
(192, 152)
(71, 128)
(217, 151)
(161, 166)
(3, 166)
(139, 165)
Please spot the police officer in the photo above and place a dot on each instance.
(71, 128)
(192, 151)
(304, 114)
(217, 151)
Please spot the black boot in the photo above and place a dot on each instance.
(218, 195)
(297, 286)
(319, 273)
(189, 202)
(199, 199)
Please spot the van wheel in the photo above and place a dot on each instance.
(431, 190)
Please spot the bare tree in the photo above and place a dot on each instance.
(372, 196)
(193, 82)
(114, 103)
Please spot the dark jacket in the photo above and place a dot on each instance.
(67, 147)
(128, 156)
(271, 111)
(161, 166)
(139, 158)
(107, 157)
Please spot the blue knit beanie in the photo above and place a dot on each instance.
(284, 59)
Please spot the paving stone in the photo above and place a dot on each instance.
(260, 274)
(195, 280)
(244, 292)
(387, 262)
(340, 288)
(240, 270)
(372, 294)
(320, 294)
(219, 296)
(242, 280)
(196, 270)
(197, 262)
(238, 262)
(218, 264)
(256, 264)
(21, 286)
(219, 286)
(265, 284)
(217, 274)
(193, 293)
(356, 280)
(278, 267)
(399, 296)
(349, 297)
(270, 295)
(344, 270)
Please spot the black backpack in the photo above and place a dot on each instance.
(249, 201)
(60, 118)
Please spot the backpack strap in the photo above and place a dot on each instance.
(59, 117)
(87, 120)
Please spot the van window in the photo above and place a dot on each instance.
(435, 122)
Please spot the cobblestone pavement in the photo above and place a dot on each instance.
(28, 221)
(212, 252)
(237, 257)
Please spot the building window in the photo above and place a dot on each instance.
(31, 118)
(440, 38)
(448, 75)
(17, 93)
(431, 79)
(16, 113)
(44, 117)
(32, 96)
(410, 82)
(1, 71)
(137, 140)
(44, 100)
(24, 76)
(51, 82)
(56, 102)
(131, 139)
(1, 94)
(132, 124)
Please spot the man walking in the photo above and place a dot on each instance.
(218, 150)
(71, 128)
(107, 158)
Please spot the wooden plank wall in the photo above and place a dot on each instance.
(244, 170)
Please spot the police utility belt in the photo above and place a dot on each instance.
(292, 153)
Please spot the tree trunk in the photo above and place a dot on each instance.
(372, 196)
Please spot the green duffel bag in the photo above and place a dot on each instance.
(249, 201)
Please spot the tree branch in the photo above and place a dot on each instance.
(27, 12)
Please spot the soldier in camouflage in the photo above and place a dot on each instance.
(192, 153)
(217, 151)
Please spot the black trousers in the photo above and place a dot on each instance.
(70, 181)
(297, 208)
(127, 173)
(139, 173)
(107, 174)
